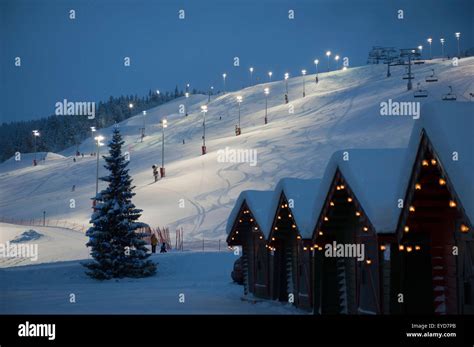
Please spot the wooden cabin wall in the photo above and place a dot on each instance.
(261, 267)
(304, 276)
(368, 279)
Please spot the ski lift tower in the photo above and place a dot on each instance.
(409, 54)
(391, 57)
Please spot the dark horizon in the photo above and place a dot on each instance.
(82, 59)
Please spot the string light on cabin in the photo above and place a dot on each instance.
(320, 248)
(273, 239)
(256, 228)
(425, 163)
(320, 233)
(326, 219)
(237, 232)
(294, 226)
(406, 229)
(349, 199)
(240, 220)
(368, 261)
(366, 229)
(382, 248)
(412, 208)
(275, 228)
(298, 237)
(331, 203)
(305, 248)
(417, 248)
(418, 186)
(452, 203)
(409, 249)
(464, 228)
(442, 182)
(433, 162)
(316, 246)
(289, 216)
(311, 248)
(357, 214)
(342, 186)
(279, 217)
(286, 205)
(251, 219)
(261, 237)
(282, 206)
(401, 248)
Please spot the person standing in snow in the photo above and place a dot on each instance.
(163, 248)
(154, 242)
(155, 172)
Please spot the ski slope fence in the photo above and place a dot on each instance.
(42, 222)
(178, 244)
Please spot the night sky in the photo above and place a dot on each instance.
(82, 59)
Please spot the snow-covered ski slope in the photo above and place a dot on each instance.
(341, 111)
(53, 244)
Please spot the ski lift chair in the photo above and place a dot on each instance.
(432, 77)
(450, 96)
(420, 93)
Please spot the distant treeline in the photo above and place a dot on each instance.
(61, 132)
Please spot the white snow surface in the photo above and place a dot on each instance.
(55, 244)
(341, 111)
(203, 278)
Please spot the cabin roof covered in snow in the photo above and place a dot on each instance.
(303, 193)
(373, 176)
(448, 126)
(259, 202)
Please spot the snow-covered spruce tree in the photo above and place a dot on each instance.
(118, 250)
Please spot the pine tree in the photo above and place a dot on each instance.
(118, 250)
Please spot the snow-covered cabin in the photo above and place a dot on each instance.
(435, 227)
(248, 227)
(356, 218)
(290, 241)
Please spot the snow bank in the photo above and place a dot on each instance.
(26, 236)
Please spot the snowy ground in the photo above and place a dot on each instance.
(54, 244)
(203, 278)
(341, 111)
(44, 286)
